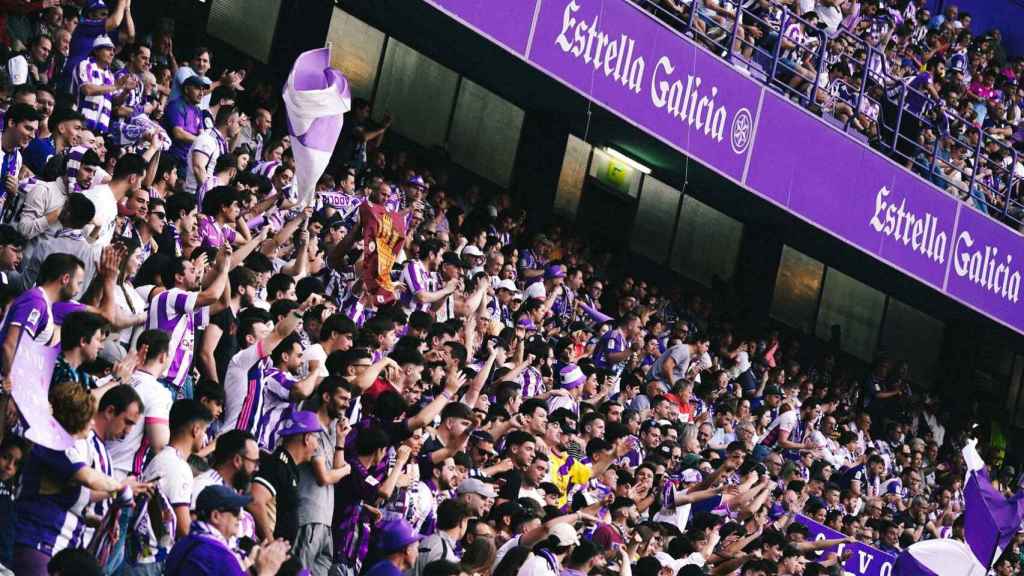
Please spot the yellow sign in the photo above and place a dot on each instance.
(618, 175)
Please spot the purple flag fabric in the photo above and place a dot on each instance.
(316, 98)
(990, 522)
(595, 314)
(990, 519)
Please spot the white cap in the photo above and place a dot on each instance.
(537, 290)
(565, 534)
(507, 284)
(102, 42)
(472, 250)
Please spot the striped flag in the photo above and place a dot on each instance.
(316, 96)
(990, 522)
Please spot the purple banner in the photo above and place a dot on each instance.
(623, 59)
(864, 560)
(849, 190)
(507, 23)
(30, 377)
(985, 271)
(627, 61)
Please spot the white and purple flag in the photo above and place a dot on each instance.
(990, 522)
(315, 97)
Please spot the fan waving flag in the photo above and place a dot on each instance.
(990, 522)
(315, 98)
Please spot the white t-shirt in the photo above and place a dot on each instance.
(315, 353)
(243, 389)
(127, 455)
(537, 565)
(175, 482)
(106, 213)
(209, 148)
(175, 476)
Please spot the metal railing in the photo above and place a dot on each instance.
(792, 56)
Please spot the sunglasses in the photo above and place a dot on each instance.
(160, 215)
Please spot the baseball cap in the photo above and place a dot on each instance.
(102, 42)
(300, 423)
(507, 284)
(195, 80)
(690, 460)
(475, 486)
(96, 5)
(219, 497)
(554, 271)
(416, 181)
(394, 535)
(472, 250)
(525, 322)
(565, 535)
(773, 389)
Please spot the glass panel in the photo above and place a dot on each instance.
(707, 242)
(655, 215)
(614, 174)
(572, 176)
(485, 133)
(1014, 391)
(916, 337)
(856, 308)
(231, 21)
(796, 289)
(355, 50)
(418, 93)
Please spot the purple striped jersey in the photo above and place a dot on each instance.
(532, 381)
(416, 279)
(174, 312)
(277, 406)
(96, 108)
(244, 389)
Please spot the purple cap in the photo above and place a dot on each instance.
(416, 181)
(571, 377)
(300, 423)
(554, 271)
(96, 5)
(394, 535)
(525, 322)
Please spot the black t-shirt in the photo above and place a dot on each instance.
(280, 475)
(427, 465)
(510, 483)
(227, 347)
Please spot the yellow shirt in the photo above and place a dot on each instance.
(567, 472)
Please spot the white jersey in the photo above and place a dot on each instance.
(129, 454)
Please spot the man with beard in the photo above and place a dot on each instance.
(235, 461)
(182, 308)
(60, 278)
(313, 545)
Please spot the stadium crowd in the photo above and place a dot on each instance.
(961, 127)
(403, 377)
